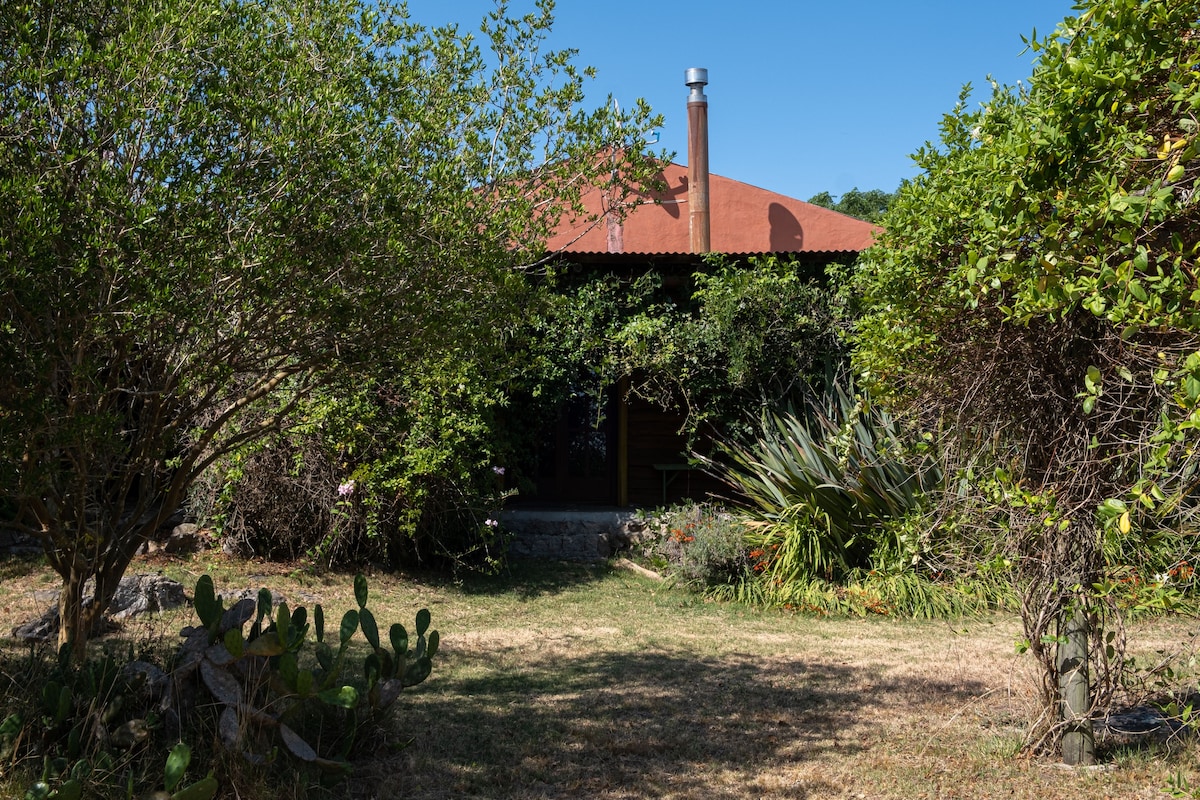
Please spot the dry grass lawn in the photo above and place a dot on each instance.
(563, 681)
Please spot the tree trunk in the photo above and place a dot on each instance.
(72, 629)
(1078, 739)
(79, 617)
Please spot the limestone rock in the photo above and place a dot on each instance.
(136, 594)
(184, 539)
(141, 594)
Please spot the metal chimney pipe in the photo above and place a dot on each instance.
(697, 108)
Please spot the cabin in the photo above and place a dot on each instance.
(636, 457)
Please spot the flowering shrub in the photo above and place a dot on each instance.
(699, 545)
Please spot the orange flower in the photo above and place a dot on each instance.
(681, 537)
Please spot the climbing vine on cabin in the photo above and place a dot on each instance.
(719, 344)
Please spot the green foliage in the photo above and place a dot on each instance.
(718, 553)
(719, 344)
(111, 726)
(756, 335)
(836, 523)
(272, 687)
(176, 765)
(870, 205)
(213, 209)
(400, 468)
(70, 789)
(1178, 786)
(905, 593)
(821, 485)
(93, 727)
(1035, 297)
(1042, 263)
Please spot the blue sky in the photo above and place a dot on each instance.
(803, 96)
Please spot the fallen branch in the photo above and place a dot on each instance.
(625, 563)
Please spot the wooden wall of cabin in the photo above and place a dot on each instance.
(656, 457)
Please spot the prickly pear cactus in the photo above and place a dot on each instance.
(268, 677)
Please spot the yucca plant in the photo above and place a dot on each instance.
(819, 484)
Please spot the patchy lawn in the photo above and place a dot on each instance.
(571, 681)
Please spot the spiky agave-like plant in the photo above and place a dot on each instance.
(819, 482)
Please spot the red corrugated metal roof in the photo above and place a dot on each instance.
(744, 219)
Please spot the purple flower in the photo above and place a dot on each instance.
(346, 489)
(498, 470)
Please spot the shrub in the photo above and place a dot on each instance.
(699, 545)
(716, 552)
(838, 519)
(401, 469)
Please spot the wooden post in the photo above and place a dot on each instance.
(1078, 739)
(623, 441)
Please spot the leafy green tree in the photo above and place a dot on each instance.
(211, 208)
(870, 205)
(1036, 292)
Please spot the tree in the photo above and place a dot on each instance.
(870, 205)
(210, 208)
(1035, 296)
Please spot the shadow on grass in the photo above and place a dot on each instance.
(20, 565)
(629, 725)
(527, 579)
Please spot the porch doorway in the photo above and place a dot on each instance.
(579, 462)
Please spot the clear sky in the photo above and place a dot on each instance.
(803, 96)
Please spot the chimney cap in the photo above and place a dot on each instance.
(695, 77)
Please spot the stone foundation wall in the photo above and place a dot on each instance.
(568, 535)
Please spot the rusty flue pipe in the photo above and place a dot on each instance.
(697, 109)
